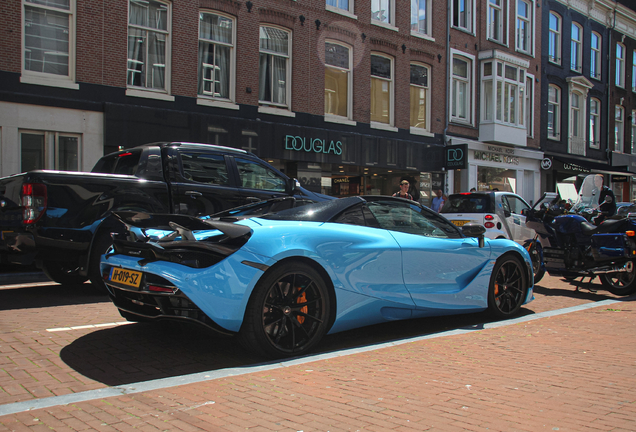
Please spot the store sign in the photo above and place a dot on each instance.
(456, 157)
(620, 179)
(497, 154)
(546, 163)
(312, 145)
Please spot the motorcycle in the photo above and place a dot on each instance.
(568, 245)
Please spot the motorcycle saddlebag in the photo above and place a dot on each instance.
(610, 246)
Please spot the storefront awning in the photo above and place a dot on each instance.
(576, 166)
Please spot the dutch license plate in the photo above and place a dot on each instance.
(459, 223)
(125, 277)
(2, 234)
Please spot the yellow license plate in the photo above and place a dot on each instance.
(459, 223)
(2, 234)
(125, 277)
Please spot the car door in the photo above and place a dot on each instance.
(203, 183)
(258, 181)
(514, 207)
(437, 262)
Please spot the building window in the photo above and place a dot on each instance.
(49, 38)
(503, 89)
(495, 20)
(216, 56)
(620, 65)
(461, 86)
(337, 80)
(595, 58)
(595, 123)
(634, 71)
(420, 96)
(381, 89)
(576, 121)
(576, 47)
(148, 42)
(618, 128)
(345, 5)
(554, 112)
(525, 9)
(554, 39)
(274, 67)
(49, 150)
(421, 17)
(463, 14)
(529, 101)
(383, 11)
(633, 132)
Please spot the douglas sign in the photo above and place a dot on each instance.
(312, 145)
(456, 156)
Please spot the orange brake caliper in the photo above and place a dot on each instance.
(302, 299)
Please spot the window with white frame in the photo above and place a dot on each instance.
(576, 47)
(274, 67)
(595, 123)
(633, 131)
(420, 97)
(337, 79)
(634, 71)
(554, 112)
(461, 89)
(619, 131)
(529, 101)
(524, 31)
(595, 58)
(381, 89)
(148, 44)
(495, 20)
(462, 14)
(577, 125)
(49, 38)
(503, 86)
(620, 65)
(421, 17)
(216, 56)
(49, 150)
(383, 11)
(344, 5)
(554, 38)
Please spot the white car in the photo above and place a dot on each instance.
(500, 212)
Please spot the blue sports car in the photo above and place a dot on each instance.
(281, 281)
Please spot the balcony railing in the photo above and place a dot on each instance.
(576, 146)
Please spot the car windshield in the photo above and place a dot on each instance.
(412, 219)
(318, 212)
(468, 203)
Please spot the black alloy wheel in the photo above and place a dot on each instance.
(288, 312)
(508, 287)
(621, 283)
(58, 273)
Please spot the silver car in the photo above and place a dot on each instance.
(500, 212)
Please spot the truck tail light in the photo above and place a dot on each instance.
(33, 202)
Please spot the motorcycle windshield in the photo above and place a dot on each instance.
(588, 194)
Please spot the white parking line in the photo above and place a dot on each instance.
(113, 324)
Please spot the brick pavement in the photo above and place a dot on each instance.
(570, 372)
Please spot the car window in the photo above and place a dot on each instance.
(204, 168)
(467, 203)
(254, 175)
(516, 204)
(119, 163)
(402, 217)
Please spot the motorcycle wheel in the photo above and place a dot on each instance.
(621, 284)
(535, 256)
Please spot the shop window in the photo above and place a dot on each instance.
(554, 38)
(421, 17)
(595, 123)
(148, 42)
(420, 97)
(49, 150)
(381, 89)
(620, 65)
(576, 47)
(274, 82)
(462, 14)
(216, 56)
(595, 57)
(338, 80)
(619, 124)
(383, 12)
(524, 30)
(554, 112)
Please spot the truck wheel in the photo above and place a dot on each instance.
(101, 244)
(623, 283)
(58, 273)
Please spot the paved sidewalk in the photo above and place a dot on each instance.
(575, 371)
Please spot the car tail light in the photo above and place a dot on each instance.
(489, 217)
(33, 202)
(489, 225)
(157, 288)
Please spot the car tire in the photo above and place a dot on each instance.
(508, 287)
(288, 312)
(103, 241)
(621, 284)
(56, 271)
(536, 256)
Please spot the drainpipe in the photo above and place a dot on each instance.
(448, 75)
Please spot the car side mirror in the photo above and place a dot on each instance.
(474, 230)
(293, 185)
(524, 212)
(507, 213)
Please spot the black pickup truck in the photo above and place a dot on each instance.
(59, 220)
